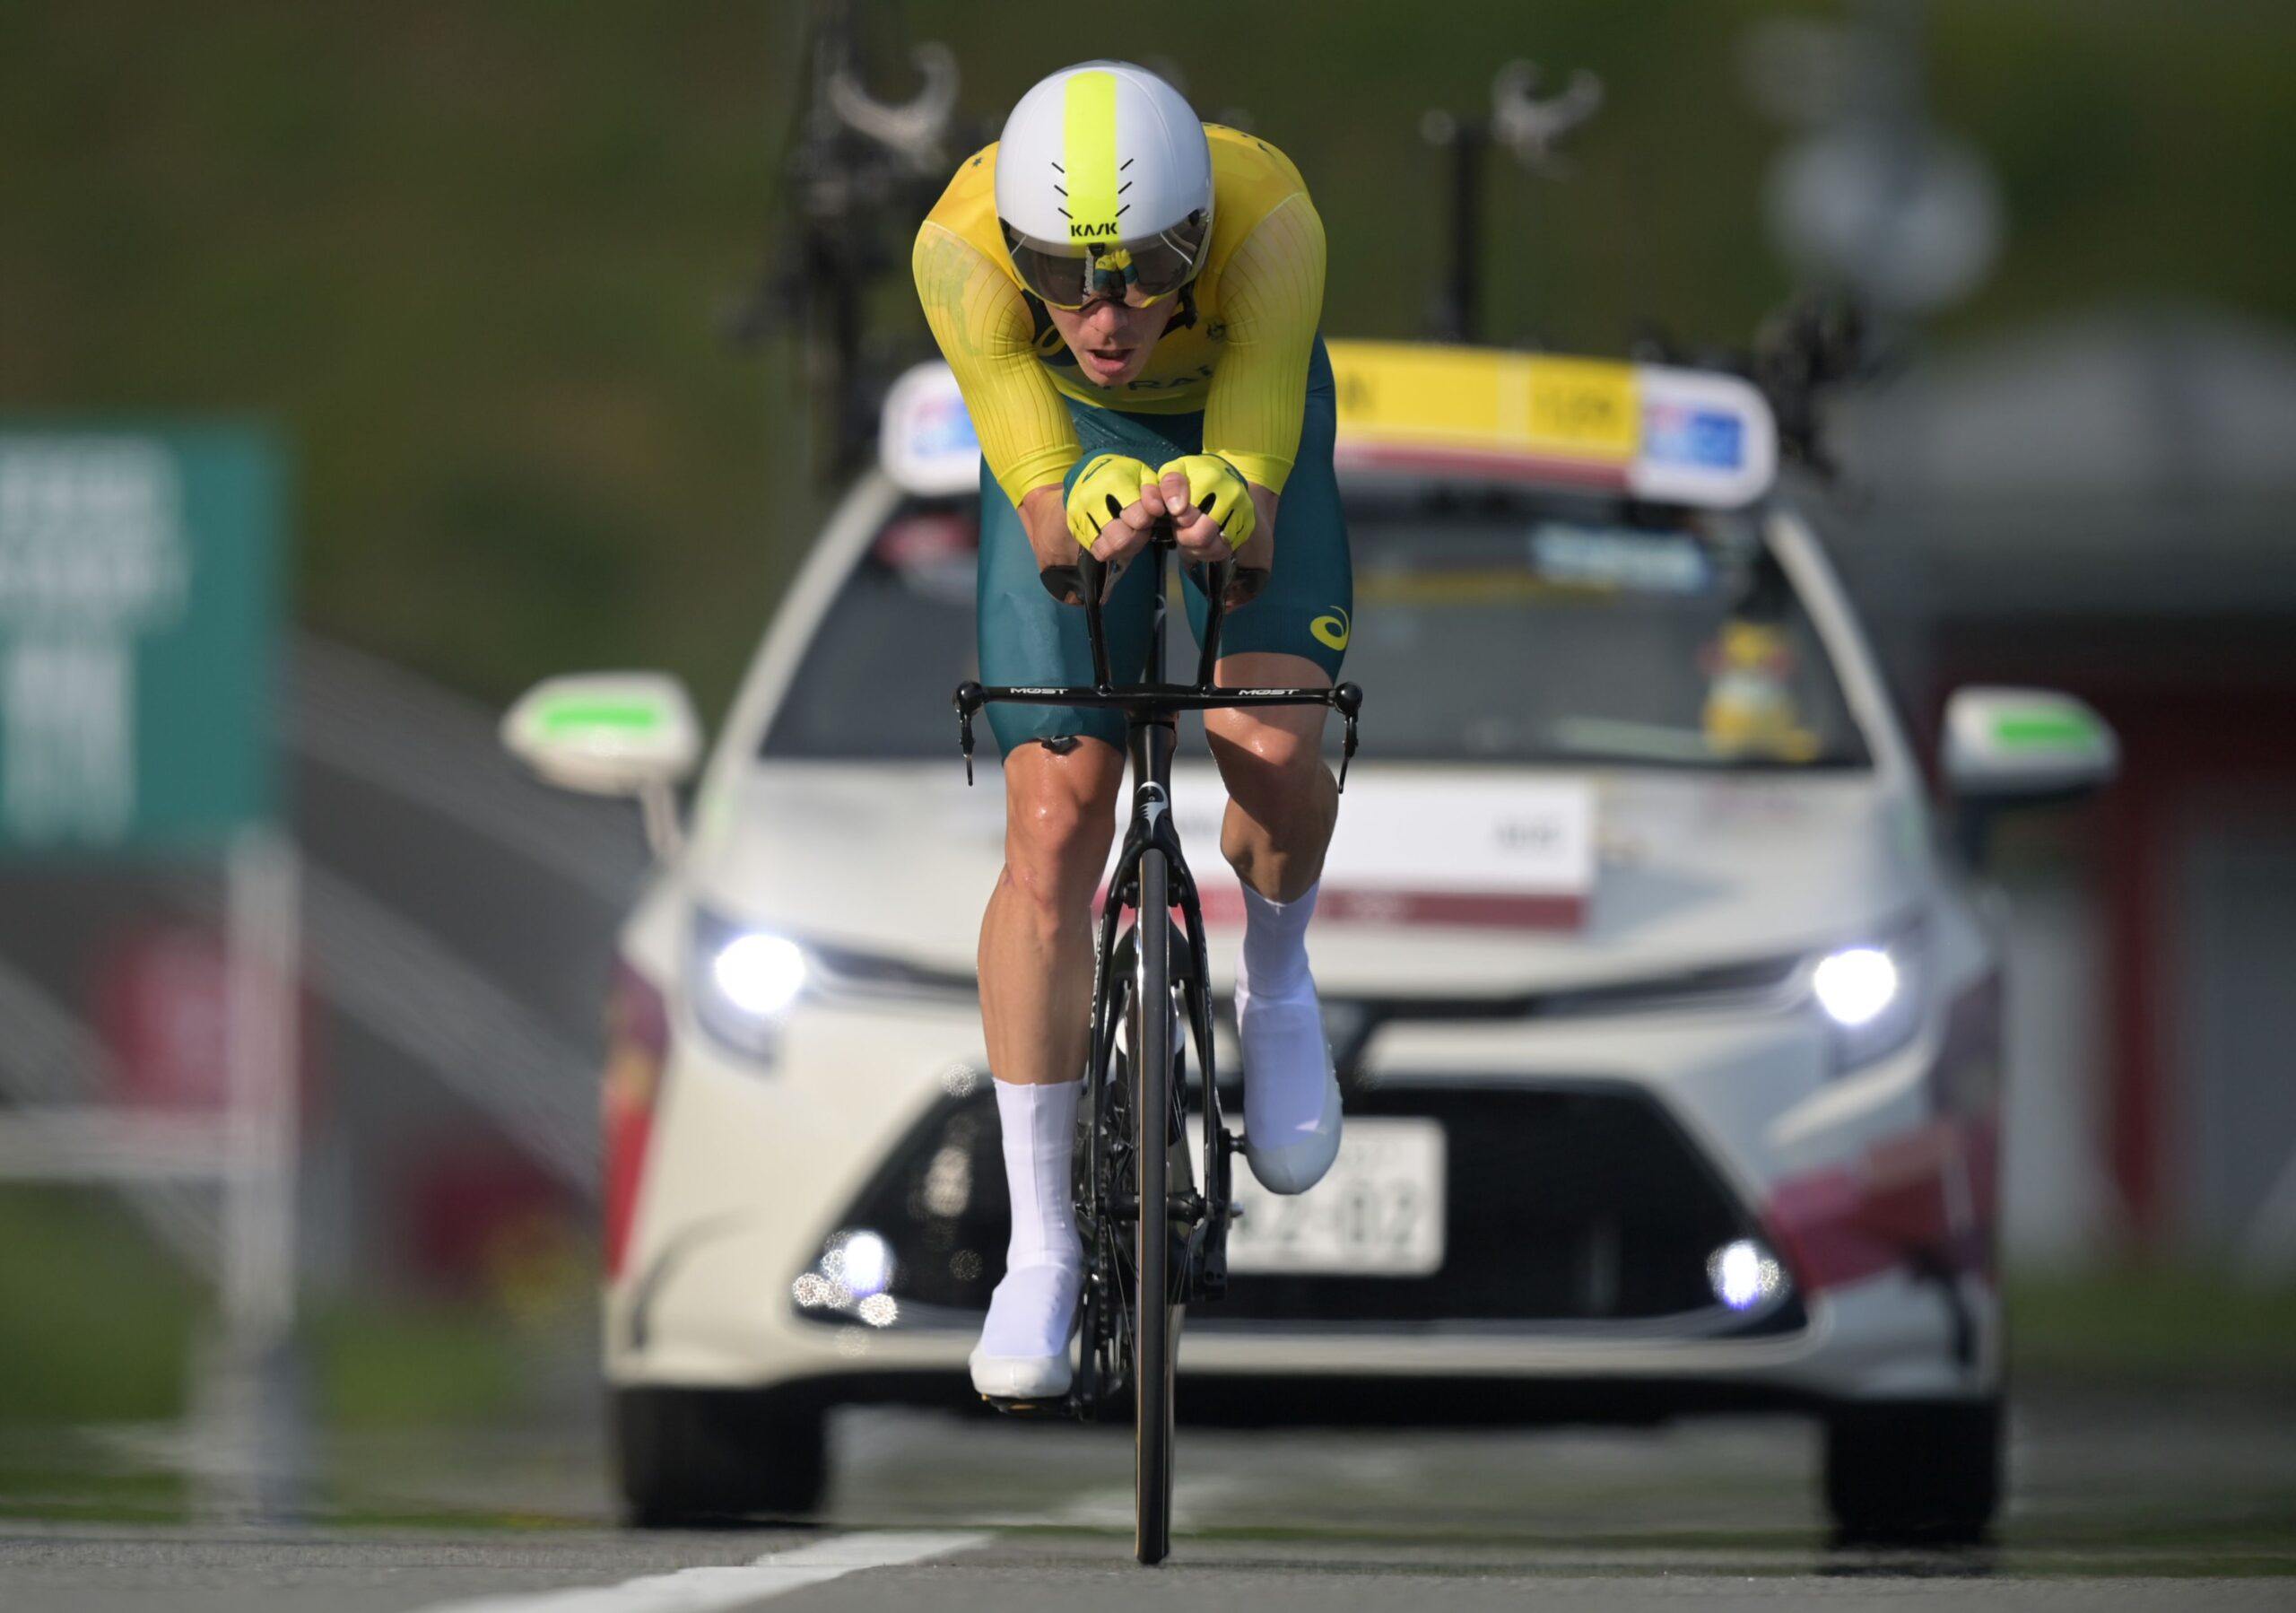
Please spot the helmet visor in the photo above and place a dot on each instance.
(1136, 272)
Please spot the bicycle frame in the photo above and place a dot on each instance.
(1150, 855)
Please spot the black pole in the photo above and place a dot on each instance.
(1457, 315)
(1528, 127)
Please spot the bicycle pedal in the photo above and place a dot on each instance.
(1007, 1406)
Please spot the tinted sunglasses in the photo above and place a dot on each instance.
(1138, 274)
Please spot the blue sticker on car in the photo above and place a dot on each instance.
(1683, 435)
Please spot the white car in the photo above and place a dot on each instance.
(1671, 1040)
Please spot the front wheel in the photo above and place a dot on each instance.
(1149, 1031)
(1914, 1471)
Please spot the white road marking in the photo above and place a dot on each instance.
(707, 1590)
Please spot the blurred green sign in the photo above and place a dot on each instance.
(139, 612)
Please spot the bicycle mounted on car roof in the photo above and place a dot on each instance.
(1136, 1286)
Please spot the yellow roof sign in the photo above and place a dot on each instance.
(1676, 436)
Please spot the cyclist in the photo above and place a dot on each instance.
(1129, 298)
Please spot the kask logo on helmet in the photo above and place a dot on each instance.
(1092, 231)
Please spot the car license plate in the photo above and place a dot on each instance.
(1379, 1212)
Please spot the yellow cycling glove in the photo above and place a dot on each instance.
(1218, 489)
(1107, 485)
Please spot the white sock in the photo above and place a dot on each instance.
(1275, 943)
(1286, 1064)
(1029, 1314)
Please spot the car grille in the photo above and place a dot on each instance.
(1566, 1204)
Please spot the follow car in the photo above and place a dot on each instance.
(1671, 1040)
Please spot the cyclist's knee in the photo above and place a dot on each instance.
(1268, 758)
(1058, 821)
(1262, 749)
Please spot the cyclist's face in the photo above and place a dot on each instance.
(1111, 340)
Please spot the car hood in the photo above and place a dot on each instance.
(1682, 870)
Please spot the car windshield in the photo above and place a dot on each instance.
(876, 681)
(1552, 628)
(1500, 627)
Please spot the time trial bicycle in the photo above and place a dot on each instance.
(1155, 1227)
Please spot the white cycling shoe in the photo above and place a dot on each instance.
(1285, 1052)
(1032, 1306)
(1022, 1377)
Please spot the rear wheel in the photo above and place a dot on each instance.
(698, 1456)
(1150, 1033)
(1910, 1471)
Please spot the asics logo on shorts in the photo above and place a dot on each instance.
(1332, 630)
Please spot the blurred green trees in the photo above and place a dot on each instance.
(472, 257)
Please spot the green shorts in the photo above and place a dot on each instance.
(1028, 637)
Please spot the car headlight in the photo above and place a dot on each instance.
(1855, 986)
(853, 1276)
(744, 982)
(1871, 996)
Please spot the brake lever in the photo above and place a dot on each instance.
(969, 700)
(1347, 700)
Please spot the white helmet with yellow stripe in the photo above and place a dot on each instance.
(1104, 187)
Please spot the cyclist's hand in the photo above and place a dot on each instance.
(1106, 513)
(1211, 504)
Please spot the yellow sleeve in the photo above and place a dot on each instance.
(982, 324)
(1272, 297)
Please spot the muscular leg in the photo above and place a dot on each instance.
(1281, 804)
(1281, 799)
(1036, 939)
(1035, 983)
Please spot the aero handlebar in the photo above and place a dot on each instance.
(1086, 582)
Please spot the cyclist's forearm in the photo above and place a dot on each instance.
(1044, 516)
(1259, 551)
(1264, 506)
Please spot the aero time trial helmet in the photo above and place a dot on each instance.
(1104, 187)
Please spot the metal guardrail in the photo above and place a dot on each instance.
(88, 1145)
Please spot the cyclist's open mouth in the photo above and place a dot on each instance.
(1106, 363)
